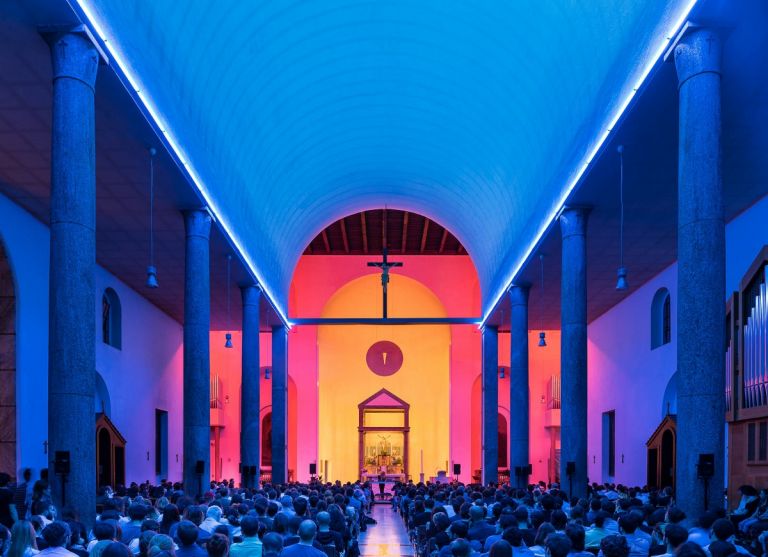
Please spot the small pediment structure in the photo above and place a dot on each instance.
(384, 399)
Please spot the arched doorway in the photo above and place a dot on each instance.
(667, 478)
(110, 453)
(266, 440)
(503, 442)
(661, 453)
(7, 365)
(104, 456)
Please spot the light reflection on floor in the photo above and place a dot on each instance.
(389, 537)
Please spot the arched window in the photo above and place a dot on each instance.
(111, 319)
(661, 318)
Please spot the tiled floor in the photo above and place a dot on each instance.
(388, 537)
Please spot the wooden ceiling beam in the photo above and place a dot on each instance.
(443, 239)
(405, 232)
(326, 242)
(365, 233)
(344, 235)
(424, 234)
(384, 230)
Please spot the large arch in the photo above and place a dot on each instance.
(8, 429)
(408, 235)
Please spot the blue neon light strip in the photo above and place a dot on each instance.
(124, 70)
(648, 66)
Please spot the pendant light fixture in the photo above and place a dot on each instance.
(621, 282)
(228, 336)
(151, 269)
(542, 334)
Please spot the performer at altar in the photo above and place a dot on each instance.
(382, 481)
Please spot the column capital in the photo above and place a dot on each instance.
(251, 294)
(74, 56)
(197, 222)
(698, 50)
(573, 221)
(518, 293)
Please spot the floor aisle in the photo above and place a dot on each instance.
(388, 537)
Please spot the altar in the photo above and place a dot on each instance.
(388, 478)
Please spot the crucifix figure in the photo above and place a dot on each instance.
(385, 265)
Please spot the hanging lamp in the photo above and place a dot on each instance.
(228, 336)
(542, 334)
(621, 282)
(151, 269)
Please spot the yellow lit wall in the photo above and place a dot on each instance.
(345, 380)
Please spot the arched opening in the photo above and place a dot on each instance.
(111, 319)
(104, 453)
(7, 365)
(266, 440)
(292, 429)
(661, 318)
(503, 441)
(432, 257)
(476, 441)
(110, 453)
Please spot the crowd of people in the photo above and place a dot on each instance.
(325, 520)
(542, 521)
(296, 520)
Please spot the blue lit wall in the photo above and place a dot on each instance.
(476, 114)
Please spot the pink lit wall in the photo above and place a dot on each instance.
(544, 363)
(454, 281)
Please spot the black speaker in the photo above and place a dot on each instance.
(518, 471)
(312, 468)
(61, 462)
(254, 470)
(528, 470)
(705, 469)
(200, 467)
(456, 468)
(570, 468)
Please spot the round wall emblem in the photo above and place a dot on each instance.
(384, 358)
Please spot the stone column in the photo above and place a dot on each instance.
(197, 360)
(279, 404)
(250, 405)
(700, 271)
(490, 405)
(518, 383)
(573, 350)
(72, 326)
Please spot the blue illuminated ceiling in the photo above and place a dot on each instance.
(290, 115)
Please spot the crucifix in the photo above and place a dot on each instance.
(385, 265)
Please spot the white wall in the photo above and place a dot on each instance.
(627, 376)
(146, 374)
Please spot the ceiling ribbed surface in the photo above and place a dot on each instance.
(474, 114)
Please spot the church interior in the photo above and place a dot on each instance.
(487, 243)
